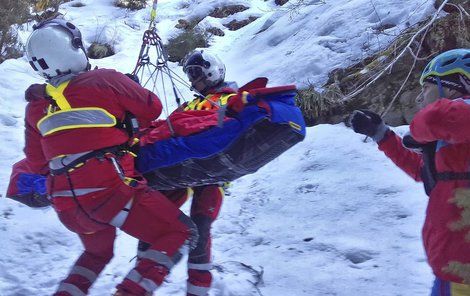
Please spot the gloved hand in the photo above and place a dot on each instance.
(368, 123)
(412, 144)
(31, 183)
(237, 102)
(133, 77)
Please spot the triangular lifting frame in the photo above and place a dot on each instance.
(157, 69)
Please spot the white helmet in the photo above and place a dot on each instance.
(55, 48)
(204, 70)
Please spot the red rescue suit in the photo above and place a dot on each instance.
(446, 231)
(95, 194)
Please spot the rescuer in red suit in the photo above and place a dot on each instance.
(437, 153)
(78, 136)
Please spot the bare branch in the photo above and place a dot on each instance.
(390, 65)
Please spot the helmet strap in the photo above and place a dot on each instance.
(440, 88)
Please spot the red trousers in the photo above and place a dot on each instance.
(143, 213)
(205, 207)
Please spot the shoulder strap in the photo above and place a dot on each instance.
(57, 94)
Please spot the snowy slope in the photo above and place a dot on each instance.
(332, 216)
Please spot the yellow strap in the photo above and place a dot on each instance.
(222, 191)
(192, 105)
(224, 98)
(212, 101)
(459, 289)
(57, 93)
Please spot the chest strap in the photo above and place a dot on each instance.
(71, 118)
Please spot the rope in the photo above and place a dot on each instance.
(144, 66)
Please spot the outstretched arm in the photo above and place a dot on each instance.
(409, 161)
(371, 124)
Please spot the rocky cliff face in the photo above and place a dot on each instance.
(338, 98)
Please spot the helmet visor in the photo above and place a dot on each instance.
(194, 73)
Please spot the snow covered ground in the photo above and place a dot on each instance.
(332, 216)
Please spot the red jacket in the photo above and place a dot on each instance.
(446, 231)
(103, 88)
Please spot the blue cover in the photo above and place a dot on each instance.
(216, 140)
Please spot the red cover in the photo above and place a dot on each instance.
(183, 123)
(107, 89)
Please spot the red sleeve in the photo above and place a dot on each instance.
(446, 120)
(141, 102)
(35, 161)
(409, 161)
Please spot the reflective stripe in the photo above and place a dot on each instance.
(147, 284)
(75, 118)
(196, 290)
(121, 217)
(71, 289)
(203, 266)
(158, 257)
(62, 161)
(90, 275)
(78, 192)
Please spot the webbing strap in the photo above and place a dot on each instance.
(83, 158)
(452, 176)
(57, 93)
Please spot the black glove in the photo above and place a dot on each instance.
(409, 142)
(368, 123)
(133, 77)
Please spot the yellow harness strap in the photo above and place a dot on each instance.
(67, 118)
(459, 289)
(209, 103)
(57, 93)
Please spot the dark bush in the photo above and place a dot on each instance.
(46, 9)
(9, 46)
(131, 4)
(100, 50)
(43, 5)
(78, 4)
(178, 47)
